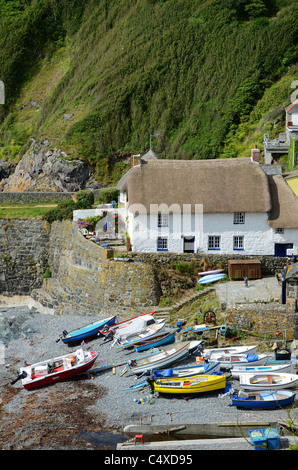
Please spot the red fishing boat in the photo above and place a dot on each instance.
(56, 369)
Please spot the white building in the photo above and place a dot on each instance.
(224, 206)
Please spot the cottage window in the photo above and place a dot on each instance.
(239, 217)
(163, 220)
(238, 242)
(279, 230)
(162, 244)
(214, 242)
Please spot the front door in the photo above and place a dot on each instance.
(188, 244)
(280, 249)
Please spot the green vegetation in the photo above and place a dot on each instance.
(64, 209)
(209, 77)
(24, 211)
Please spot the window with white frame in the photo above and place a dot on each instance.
(163, 220)
(279, 230)
(239, 217)
(238, 242)
(214, 242)
(162, 244)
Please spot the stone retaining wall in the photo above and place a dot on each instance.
(263, 319)
(85, 280)
(36, 197)
(23, 255)
(270, 264)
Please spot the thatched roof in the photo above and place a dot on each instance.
(221, 185)
(284, 212)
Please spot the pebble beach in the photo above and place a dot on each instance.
(91, 410)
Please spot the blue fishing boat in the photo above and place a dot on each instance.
(161, 339)
(211, 278)
(86, 331)
(264, 400)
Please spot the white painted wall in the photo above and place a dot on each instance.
(259, 237)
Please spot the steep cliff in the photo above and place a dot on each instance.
(101, 80)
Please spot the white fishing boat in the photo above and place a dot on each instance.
(236, 370)
(230, 350)
(143, 328)
(227, 361)
(166, 356)
(271, 381)
(188, 371)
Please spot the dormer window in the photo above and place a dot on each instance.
(239, 217)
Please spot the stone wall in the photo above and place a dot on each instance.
(37, 197)
(259, 318)
(23, 255)
(86, 280)
(270, 264)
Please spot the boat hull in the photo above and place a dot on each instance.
(167, 356)
(87, 331)
(265, 400)
(237, 371)
(123, 324)
(231, 350)
(194, 384)
(272, 381)
(188, 371)
(211, 278)
(41, 381)
(167, 339)
(227, 363)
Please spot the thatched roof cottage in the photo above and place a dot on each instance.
(209, 206)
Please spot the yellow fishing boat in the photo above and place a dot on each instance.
(195, 384)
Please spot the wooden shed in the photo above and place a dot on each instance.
(241, 268)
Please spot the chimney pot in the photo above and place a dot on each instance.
(255, 155)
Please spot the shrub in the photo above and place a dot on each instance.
(107, 195)
(84, 199)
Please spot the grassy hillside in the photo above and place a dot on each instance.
(210, 77)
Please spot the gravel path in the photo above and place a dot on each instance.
(88, 412)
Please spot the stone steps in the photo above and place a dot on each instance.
(164, 312)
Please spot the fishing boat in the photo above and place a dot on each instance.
(166, 356)
(86, 331)
(227, 361)
(211, 278)
(231, 350)
(263, 400)
(188, 371)
(125, 325)
(160, 339)
(195, 384)
(57, 369)
(239, 370)
(271, 381)
(142, 328)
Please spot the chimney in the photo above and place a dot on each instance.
(255, 155)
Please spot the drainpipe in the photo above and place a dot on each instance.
(283, 286)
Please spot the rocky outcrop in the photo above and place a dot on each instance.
(44, 168)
